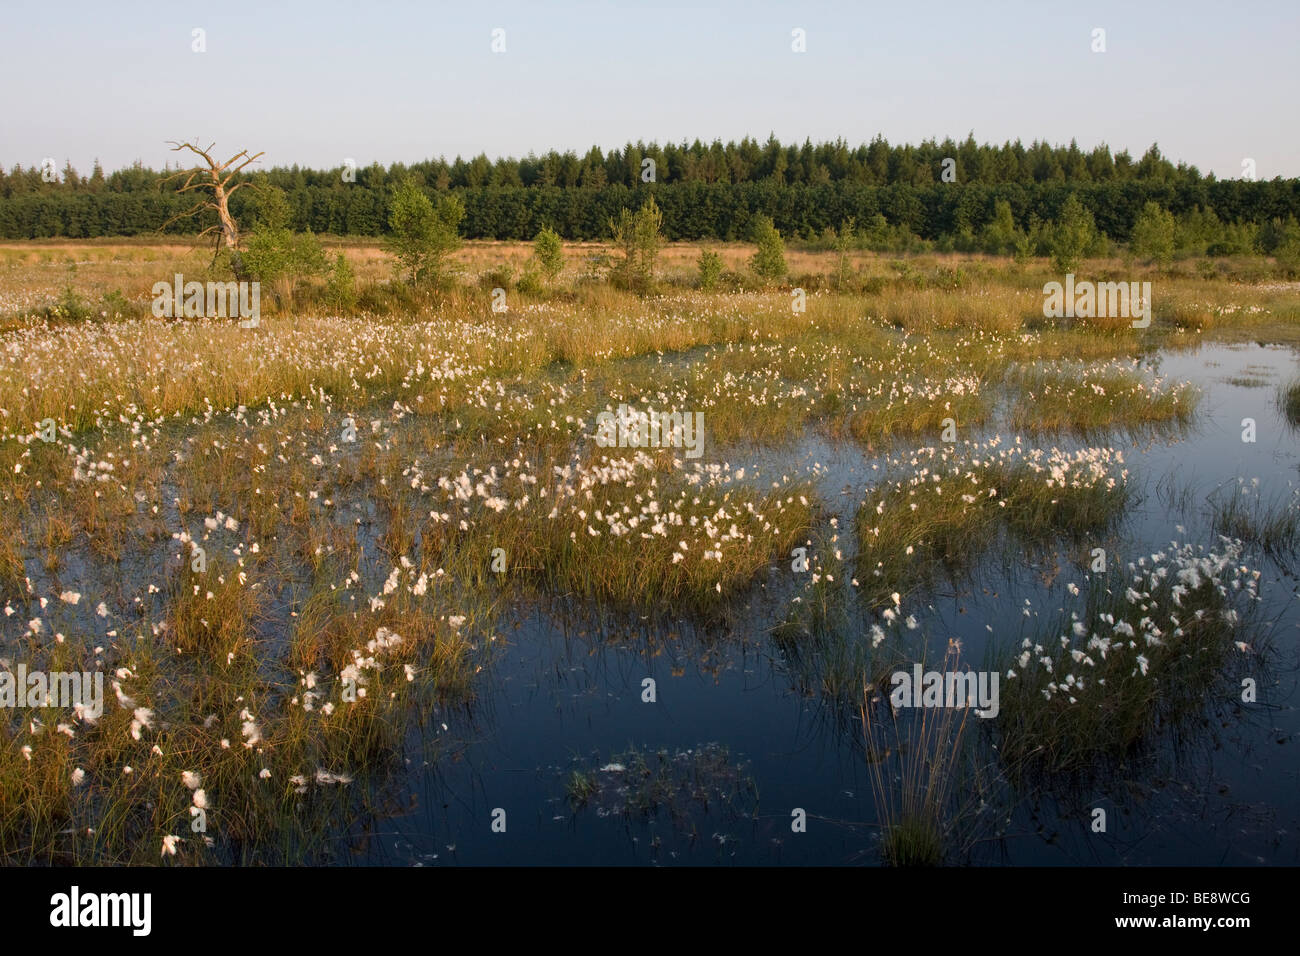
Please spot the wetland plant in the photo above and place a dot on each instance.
(1288, 402)
(914, 762)
(1139, 650)
(951, 509)
(1238, 512)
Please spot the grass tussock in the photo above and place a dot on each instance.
(952, 508)
(914, 765)
(1139, 650)
(1239, 512)
(1092, 399)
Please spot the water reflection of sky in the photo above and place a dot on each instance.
(565, 693)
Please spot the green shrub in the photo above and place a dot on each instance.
(70, 307)
(1001, 237)
(341, 286)
(498, 277)
(1073, 235)
(710, 266)
(273, 254)
(114, 305)
(1235, 239)
(1153, 234)
(733, 281)
(422, 235)
(639, 236)
(549, 251)
(768, 262)
(1282, 240)
(530, 283)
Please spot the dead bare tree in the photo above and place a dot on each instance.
(216, 177)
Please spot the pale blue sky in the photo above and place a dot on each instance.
(313, 83)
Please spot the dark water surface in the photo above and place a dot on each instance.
(743, 743)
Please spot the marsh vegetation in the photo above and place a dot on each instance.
(301, 553)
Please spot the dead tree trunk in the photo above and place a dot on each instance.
(216, 177)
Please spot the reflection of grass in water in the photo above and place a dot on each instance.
(829, 653)
(1288, 402)
(644, 784)
(1273, 527)
(1246, 381)
(919, 528)
(1177, 498)
(1148, 648)
(945, 516)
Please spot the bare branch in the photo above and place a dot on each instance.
(191, 173)
(242, 152)
(205, 153)
(197, 207)
(234, 172)
(189, 182)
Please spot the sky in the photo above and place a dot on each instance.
(317, 83)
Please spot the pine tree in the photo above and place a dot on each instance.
(422, 236)
(549, 251)
(768, 262)
(639, 236)
(1153, 234)
(1072, 236)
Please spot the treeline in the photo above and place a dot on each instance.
(713, 192)
(691, 210)
(874, 164)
